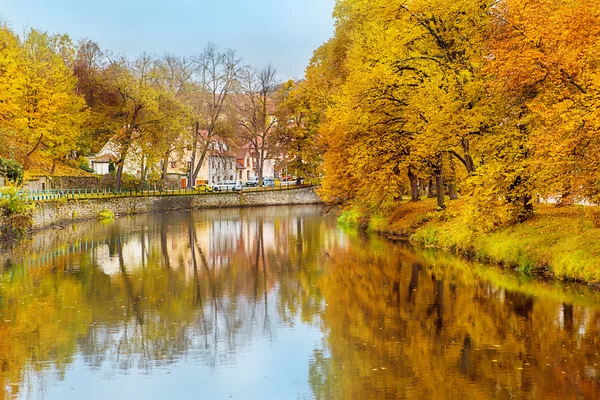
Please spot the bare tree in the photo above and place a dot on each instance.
(257, 119)
(215, 78)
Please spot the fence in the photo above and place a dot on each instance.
(57, 194)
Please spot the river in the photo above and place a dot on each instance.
(280, 303)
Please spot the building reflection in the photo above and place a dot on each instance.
(150, 291)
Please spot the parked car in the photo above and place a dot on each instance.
(226, 186)
(252, 182)
(268, 182)
(204, 188)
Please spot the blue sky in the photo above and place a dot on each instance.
(283, 32)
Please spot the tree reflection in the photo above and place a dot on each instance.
(152, 290)
(456, 336)
(149, 290)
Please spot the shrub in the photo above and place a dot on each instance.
(106, 215)
(15, 214)
(11, 170)
(84, 164)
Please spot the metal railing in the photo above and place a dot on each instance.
(93, 193)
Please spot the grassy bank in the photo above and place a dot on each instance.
(561, 242)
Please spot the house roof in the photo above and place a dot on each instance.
(104, 158)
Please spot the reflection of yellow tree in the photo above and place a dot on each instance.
(165, 290)
(399, 327)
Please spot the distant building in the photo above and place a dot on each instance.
(248, 165)
(101, 163)
(219, 165)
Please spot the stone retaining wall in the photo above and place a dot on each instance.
(65, 211)
(82, 182)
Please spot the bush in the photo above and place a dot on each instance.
(15, 214)
(84, 164)
(106, 215)
(11, 170)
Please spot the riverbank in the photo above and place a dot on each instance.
(561, 242)
(63, 211)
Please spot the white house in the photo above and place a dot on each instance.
(248, 165)
(100, 163)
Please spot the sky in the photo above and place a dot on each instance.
(282, 32)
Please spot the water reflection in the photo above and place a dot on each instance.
(280, 303)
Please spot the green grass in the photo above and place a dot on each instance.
(562, 242)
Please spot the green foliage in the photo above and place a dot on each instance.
(106, 215)
(84, 164)
(12, 201)
(15, 215)
(11, 170)
(351, 219)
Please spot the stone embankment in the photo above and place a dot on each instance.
(64, 211)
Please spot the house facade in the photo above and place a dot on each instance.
(248, 165)
(220, 164)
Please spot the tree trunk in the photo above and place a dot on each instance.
(439, 184)
(527, 208)
(414, 186)
(452, 185)
(119, 177)
(565, 197)
(120, 168)
(165, 165)
(421, 187)
(261, 164)
(193, 159)
(468, 159)
(430, 188)
(142, 172)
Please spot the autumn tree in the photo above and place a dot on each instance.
(45, 114)
(297, 130)
(257, 119)
(545, 69)
(131, 105)
(10, 81)
(411, 96)
(170, 136)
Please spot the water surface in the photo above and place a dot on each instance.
(280, 303)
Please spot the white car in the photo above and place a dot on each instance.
(227, 186)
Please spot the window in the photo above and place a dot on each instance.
(231, 177)
(213, 164)
(173, 164)
(219, 179)
(213, 179)
(248, 175)
(247, 162)
(189, 165)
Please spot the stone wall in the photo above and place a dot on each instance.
(83, 182)
(64, 211)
